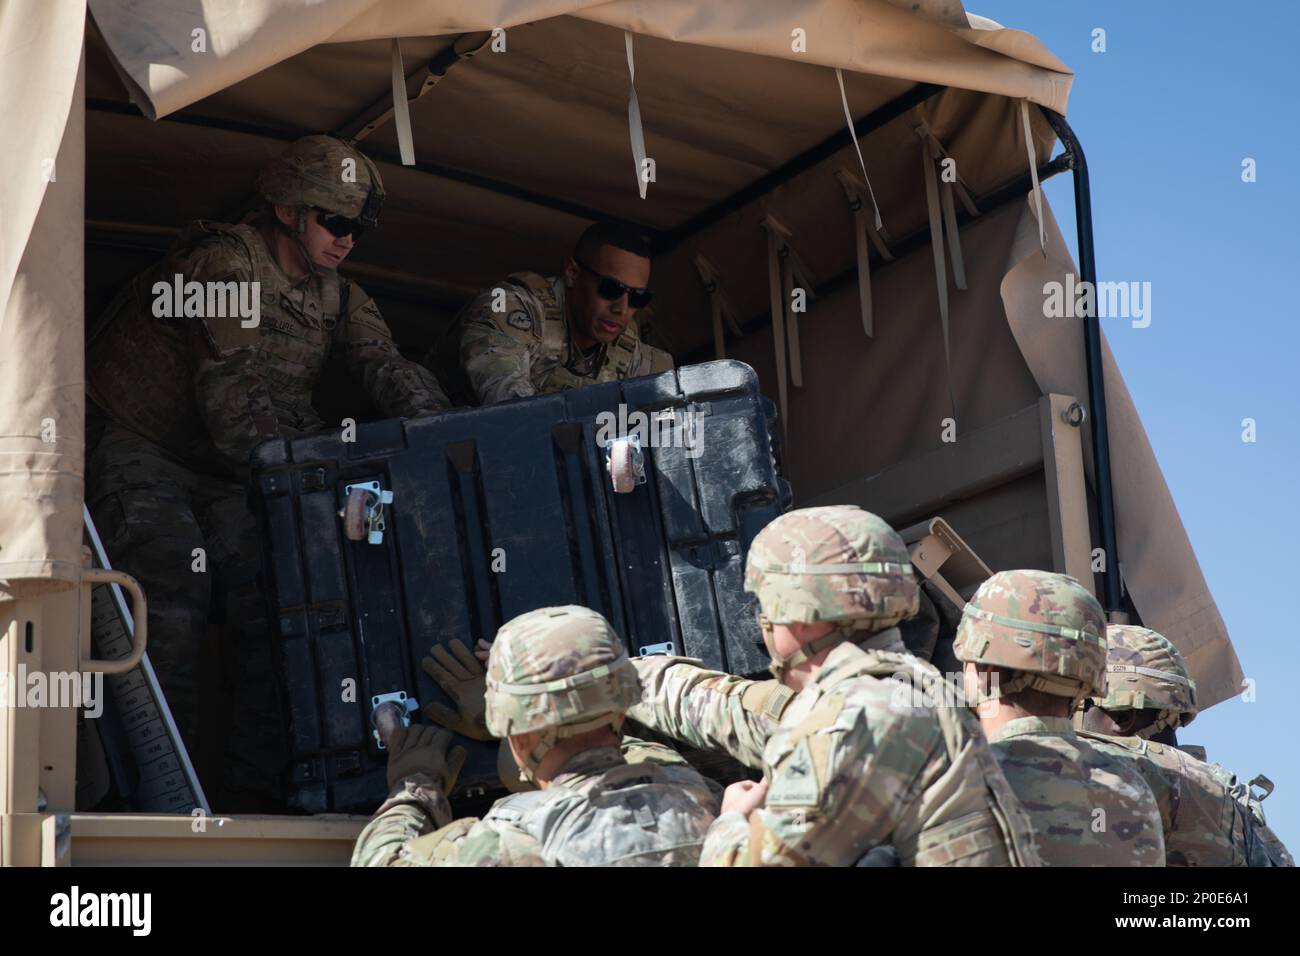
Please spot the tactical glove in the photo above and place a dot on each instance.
(422, 751)
(463, 678)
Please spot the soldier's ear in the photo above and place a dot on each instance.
(287, 215)
(570, 273)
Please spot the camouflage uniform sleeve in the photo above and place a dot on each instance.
(497, 346)
(841, 789)
(232, 398)
(707, 709)
(413, 809)
(396, 384)
(727, 842)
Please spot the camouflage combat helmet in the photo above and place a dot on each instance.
(1047, 627)
(314, 171)
(1144, 670)
(836, 563)
(561, 671)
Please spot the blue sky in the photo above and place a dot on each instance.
(1183, 93)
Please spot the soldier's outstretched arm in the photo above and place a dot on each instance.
(852, 772)
(709, 709)
(421, 771)
(415, 807)
(501, 333)
(396, 384)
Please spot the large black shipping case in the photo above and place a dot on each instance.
(496, 511)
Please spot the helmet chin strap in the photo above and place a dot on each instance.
(781, 664)
(1166, 718)
(296, 233)
(1047, 683)
(302, 246)
(552, 735)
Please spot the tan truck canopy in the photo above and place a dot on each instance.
(519, 134)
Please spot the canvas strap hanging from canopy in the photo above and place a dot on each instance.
(1033, 175)
(401, 107)
(719, 307)
(785, 268)
(634, 129)
(867, 235)
(934, 207)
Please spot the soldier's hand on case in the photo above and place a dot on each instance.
(744, 796)
(423, 750)
(482, 649)
(462, 677)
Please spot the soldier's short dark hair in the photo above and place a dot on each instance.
(620, 235)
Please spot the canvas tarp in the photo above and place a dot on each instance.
(154, 43)
(41, 217)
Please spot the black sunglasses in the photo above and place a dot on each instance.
(340, 226)
(611, 289)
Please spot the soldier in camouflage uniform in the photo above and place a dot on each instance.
(461, 675)
(1207, 814)
(532, 334)
(178, 403)
(854, 757)
(559, 683)
(1033, 646)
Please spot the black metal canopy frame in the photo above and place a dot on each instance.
(1072, 159)
(1092, 350)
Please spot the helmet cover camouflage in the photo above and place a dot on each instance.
(558, 667)
(327, 173)
(836, 563)
(1039, 623)
(1144, 670)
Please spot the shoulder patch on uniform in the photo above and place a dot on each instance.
(795, 782)
(520, 320)
(767, 697)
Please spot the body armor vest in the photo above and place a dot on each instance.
(610, 363)
(140, 368)
(1263, 847)
(1004, 824)
(558, 368)
(634, 815)
(1204, 826)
